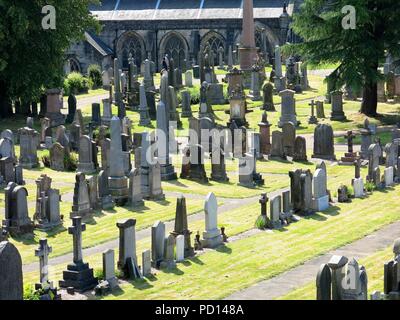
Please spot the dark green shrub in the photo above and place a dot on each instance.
(70, 162)
(75, 83)
(94, 74)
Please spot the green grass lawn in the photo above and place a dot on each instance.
(264, 255)
(91, 93)
(374, 266)
(102, 227)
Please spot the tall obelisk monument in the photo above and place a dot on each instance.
(248, 50)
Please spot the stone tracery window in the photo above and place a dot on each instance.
(215, 43)
(133, 46)
(259, 43)
(74, 65)
(175, 48)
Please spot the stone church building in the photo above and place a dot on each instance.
(179, 28)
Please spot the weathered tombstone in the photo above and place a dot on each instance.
(81, 201)
(373, 159)
(186, 107)
(157, 243)
(180, 248)
(54, 105)
(212, 236)
(109, 268)
(265, 135)
(320, 109)
(168, 261)
(105, 199)
(268, 94)
(43, 253)
(389, 176)
(163, 142)
(277, 150)
(324, 142)
(336, 264)
(146, 263)
(28, 148)
(143, 108)
(86, 157)
(288, 109)
(11, 277)
(188, 79)
(57, 155)
(337, 106)
(96, 116)
(135, 188)
(312, 119)
(300, 149)
(78, 274)
(117, 181)
(107, 112)
(127, 248)
(255, 84)
(275, 211)
(17, 219)
(301, 191)
(350, 156)
(321, 197)
(288, 138)
(324, 283)
(366, 139)
(181, 225)
(155, 189)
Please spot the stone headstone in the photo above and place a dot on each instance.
(212, 235)
(324, 142)
(288, 108)
(157, 243)
(11, 277)
(81, 201)
(57, 155)
(337, 106)
(180, 248)
(277, 150)
(324, 283)
(17, 219)
(109, 268)
(186, 105)
(28, 148)
(135, 188)
(78, 274)
(268, 101)
(181, 225)
(300, 149)
(288, 138)
(86, 157)
(146, 263)
(117, 181)
(127, 242)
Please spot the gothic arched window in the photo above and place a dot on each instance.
(215, 43)
(74, 66)
(133, 46)
(175, 48)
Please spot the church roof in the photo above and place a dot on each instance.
(98, 44)
(186, 9)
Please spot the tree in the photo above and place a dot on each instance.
(359, 51)
(31, 57)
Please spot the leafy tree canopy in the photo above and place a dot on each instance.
(32, 58)
(359, 51)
